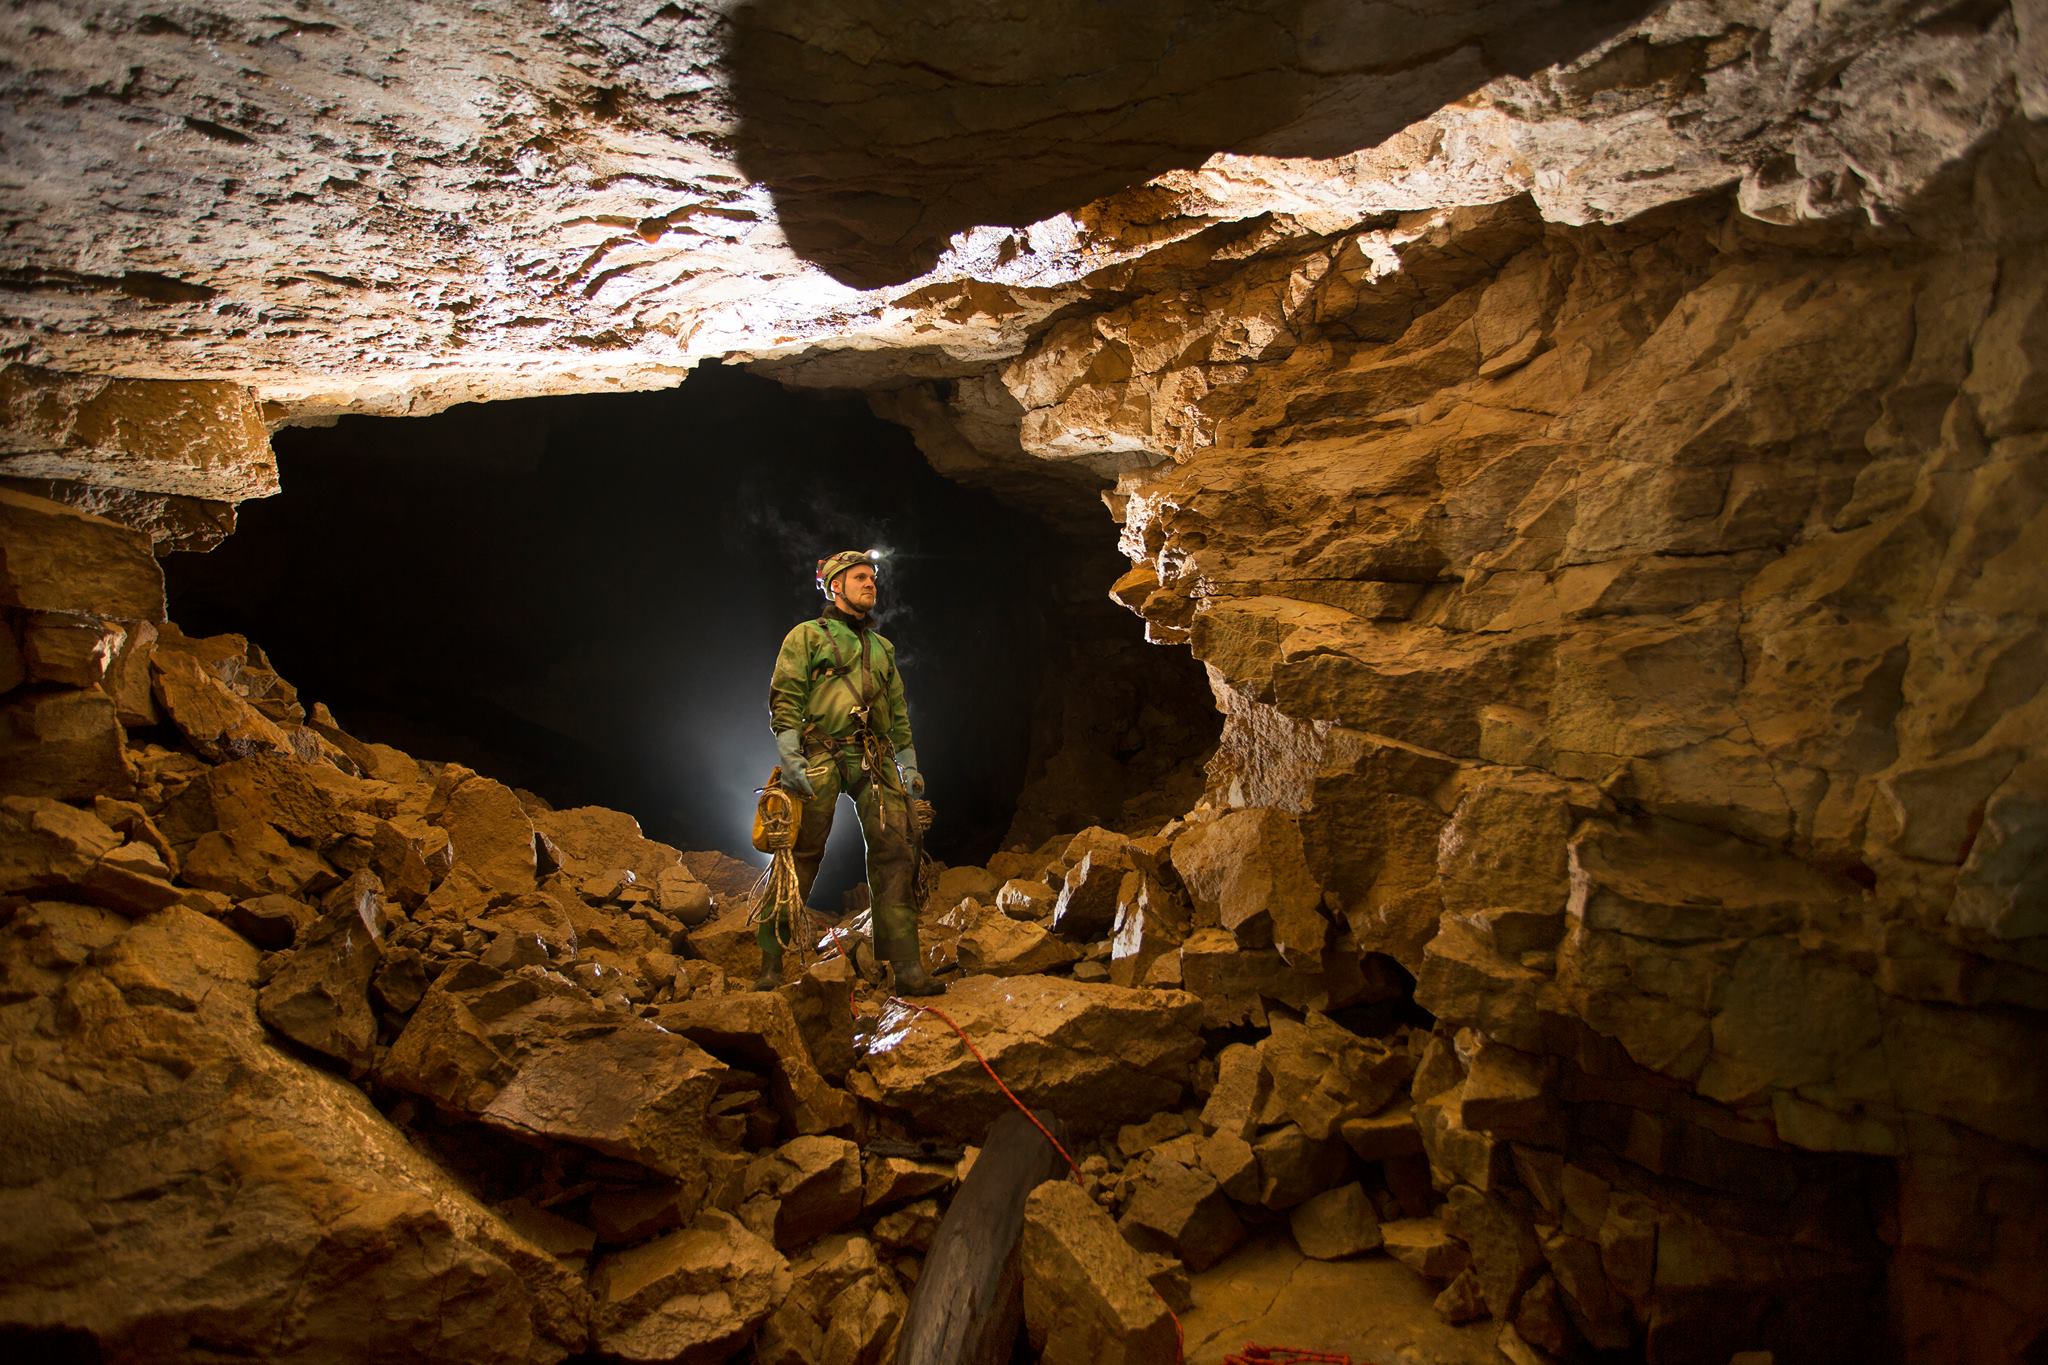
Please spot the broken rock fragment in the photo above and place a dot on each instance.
(693, 1297)
(318, 993)
(1246, 872)
(803, 1189)
(64, 744)
(759, 1029)
(843, 1309)
(1087, 1300)
(1335, 1224)
(993, 944)
(1181, 1211)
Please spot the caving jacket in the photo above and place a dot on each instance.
(830, 667)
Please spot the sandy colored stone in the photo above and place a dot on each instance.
(488, 828)
(1181, 1211)
(1096, 1055)
(59, 559)
(759, 1030)
(696, 1295)
(65, 744)
(1246, 873)
(997, 945)
(1086, 1296)
(804, 1189)
(1335, 1224)
(320, 1182)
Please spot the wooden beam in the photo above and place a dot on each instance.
(968, 1304)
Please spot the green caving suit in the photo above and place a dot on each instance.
(828, 669)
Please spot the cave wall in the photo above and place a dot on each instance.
(1644, 625)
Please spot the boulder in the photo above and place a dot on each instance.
(216, 722)
(1151, 920)
(1097, 1055)
(68, 651)
(843, 1308)
(177, 1187)
(758, 1029)
(803, 1189)
(127, 679)
(1245, 872)
(1293, 1166)
(1426, 1247)
(1181, 1212)
(488, 827)
(1461, 1300)
(65, 744)
(1087, 1300)
(897, 1179)
(1335, 1224)
(1505, 1254)
(957, 884)
(533, 1055)
(1235, 983)
(318, 993)
(255, 860)
(591, 841)
(993, 944)
(1024, 899)
(677, 892)
(693, 1297)
(133, 880)
(54, 558)
(1323, 1074)
(46, 845)
(1086, 909)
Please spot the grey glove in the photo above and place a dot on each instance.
(913, 780)
(790, 744)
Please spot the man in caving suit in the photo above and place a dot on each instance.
(836, 705)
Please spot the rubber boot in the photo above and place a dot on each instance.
(896, 940)
(771, 957)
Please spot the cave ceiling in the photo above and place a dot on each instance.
(390, 208)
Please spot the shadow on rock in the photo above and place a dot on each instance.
(883, 127)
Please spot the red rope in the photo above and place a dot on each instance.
(1254, 1354)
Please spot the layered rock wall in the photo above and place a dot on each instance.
(1643, 624)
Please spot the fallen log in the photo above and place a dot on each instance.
(968, 1303)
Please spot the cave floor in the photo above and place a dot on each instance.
(1370, 1308)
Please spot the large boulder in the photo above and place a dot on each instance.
(535, 1056)
(175, 1187)
(1096, 1055)
(489, 829)
(1087, 1300)
(318, 993)
(804, 1189)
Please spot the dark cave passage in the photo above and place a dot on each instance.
(583, 596)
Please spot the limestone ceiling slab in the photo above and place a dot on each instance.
(383, 206)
